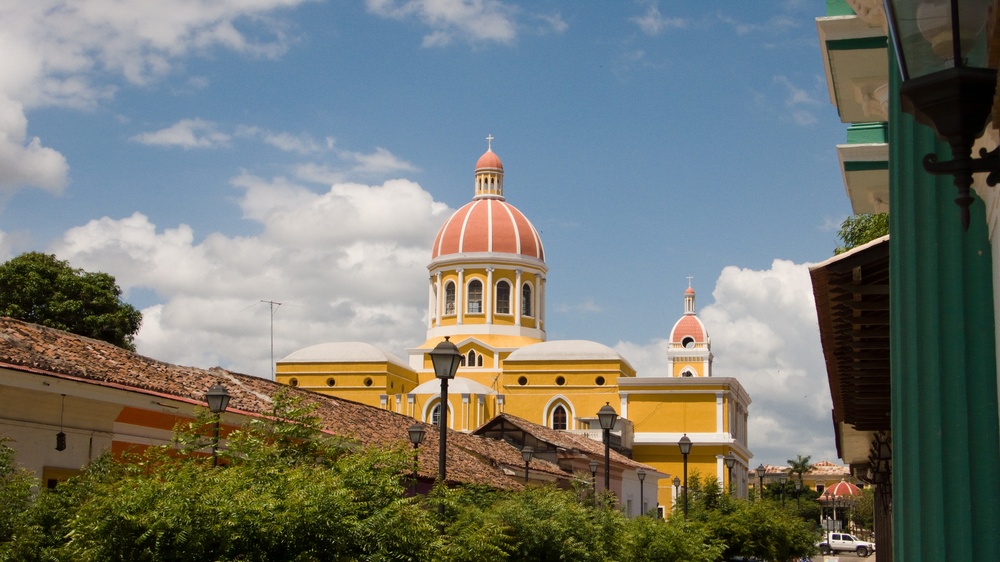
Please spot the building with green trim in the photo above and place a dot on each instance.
(908, 323)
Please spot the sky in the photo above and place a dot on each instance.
(214, 155)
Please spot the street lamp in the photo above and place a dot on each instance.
(607, 416)
(760, 477)
(642, 477)
(677, 488)
(781, 480)
(730, 463)
(593, 475)
(685, 445)
(941, 47)
(798, 493)
(218, 399)
(416, 432)
(526, 453)
(445, 358)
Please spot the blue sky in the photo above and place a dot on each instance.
(212, 154)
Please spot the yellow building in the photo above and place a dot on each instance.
(486, 293)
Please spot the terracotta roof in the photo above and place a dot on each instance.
(821, 468)
(489, 160)
(44, 351)
(688, 325)
(488, 225)
(565, 440)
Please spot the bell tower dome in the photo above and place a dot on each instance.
(690, 349)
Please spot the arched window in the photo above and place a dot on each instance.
(526, 300)
(503, 297)
(559, 418)
(475, 297)
(449, 298)
(436, 415)
(472, 359)
(479, 361)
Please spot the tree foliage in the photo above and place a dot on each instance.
(861, 229)
(42, 289)
(286, 491)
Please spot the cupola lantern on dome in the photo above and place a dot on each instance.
(489, 174)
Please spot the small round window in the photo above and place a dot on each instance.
(687, 342)
(560, 380)
(331, 382)
(599, 381)
(293, 382)
(522, 381)
(368, 382)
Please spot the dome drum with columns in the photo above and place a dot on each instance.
(486, 292)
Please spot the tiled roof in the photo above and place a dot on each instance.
(821, 468)
(49, 352)
(565, 440)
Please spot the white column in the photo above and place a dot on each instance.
(465, 412)
(719, 427)
(623, 404)
(517, 293)
(440, 301)
(410, 399)
(488, 297)
(431, 312)
(720, 470)
(460, 297)
(539, 302)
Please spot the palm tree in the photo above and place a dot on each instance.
(800, 466)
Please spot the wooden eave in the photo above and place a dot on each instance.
(852, 305)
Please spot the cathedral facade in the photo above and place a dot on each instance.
(486, 293)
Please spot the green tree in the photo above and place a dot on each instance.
(15, 491)
(860, 229)
(42, 289)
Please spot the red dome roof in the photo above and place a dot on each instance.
(489, 160)
(488, 225)
(840, 489)
(688, 325)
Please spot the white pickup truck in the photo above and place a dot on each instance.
(842, 542)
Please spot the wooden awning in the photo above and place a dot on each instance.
(852, 304)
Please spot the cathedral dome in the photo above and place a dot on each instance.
(488, 225)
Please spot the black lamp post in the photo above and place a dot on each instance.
(760, 478)
(781, 480)
(941, 49)
(445, 357)
(593, 475)
(685, 445)
(798, 493)
(416, 432)
(218, 399)
(607, 416)
(730, 463)
(526, 453)
(677, 487)
(642, 478)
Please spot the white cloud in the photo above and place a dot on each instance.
(348, 265)
(472, 21)
(380, 162)
(72, 54)
(25, 162)
(186, 133)
(653, 22)
(765, 333)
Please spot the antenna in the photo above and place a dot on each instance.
(274, 306)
